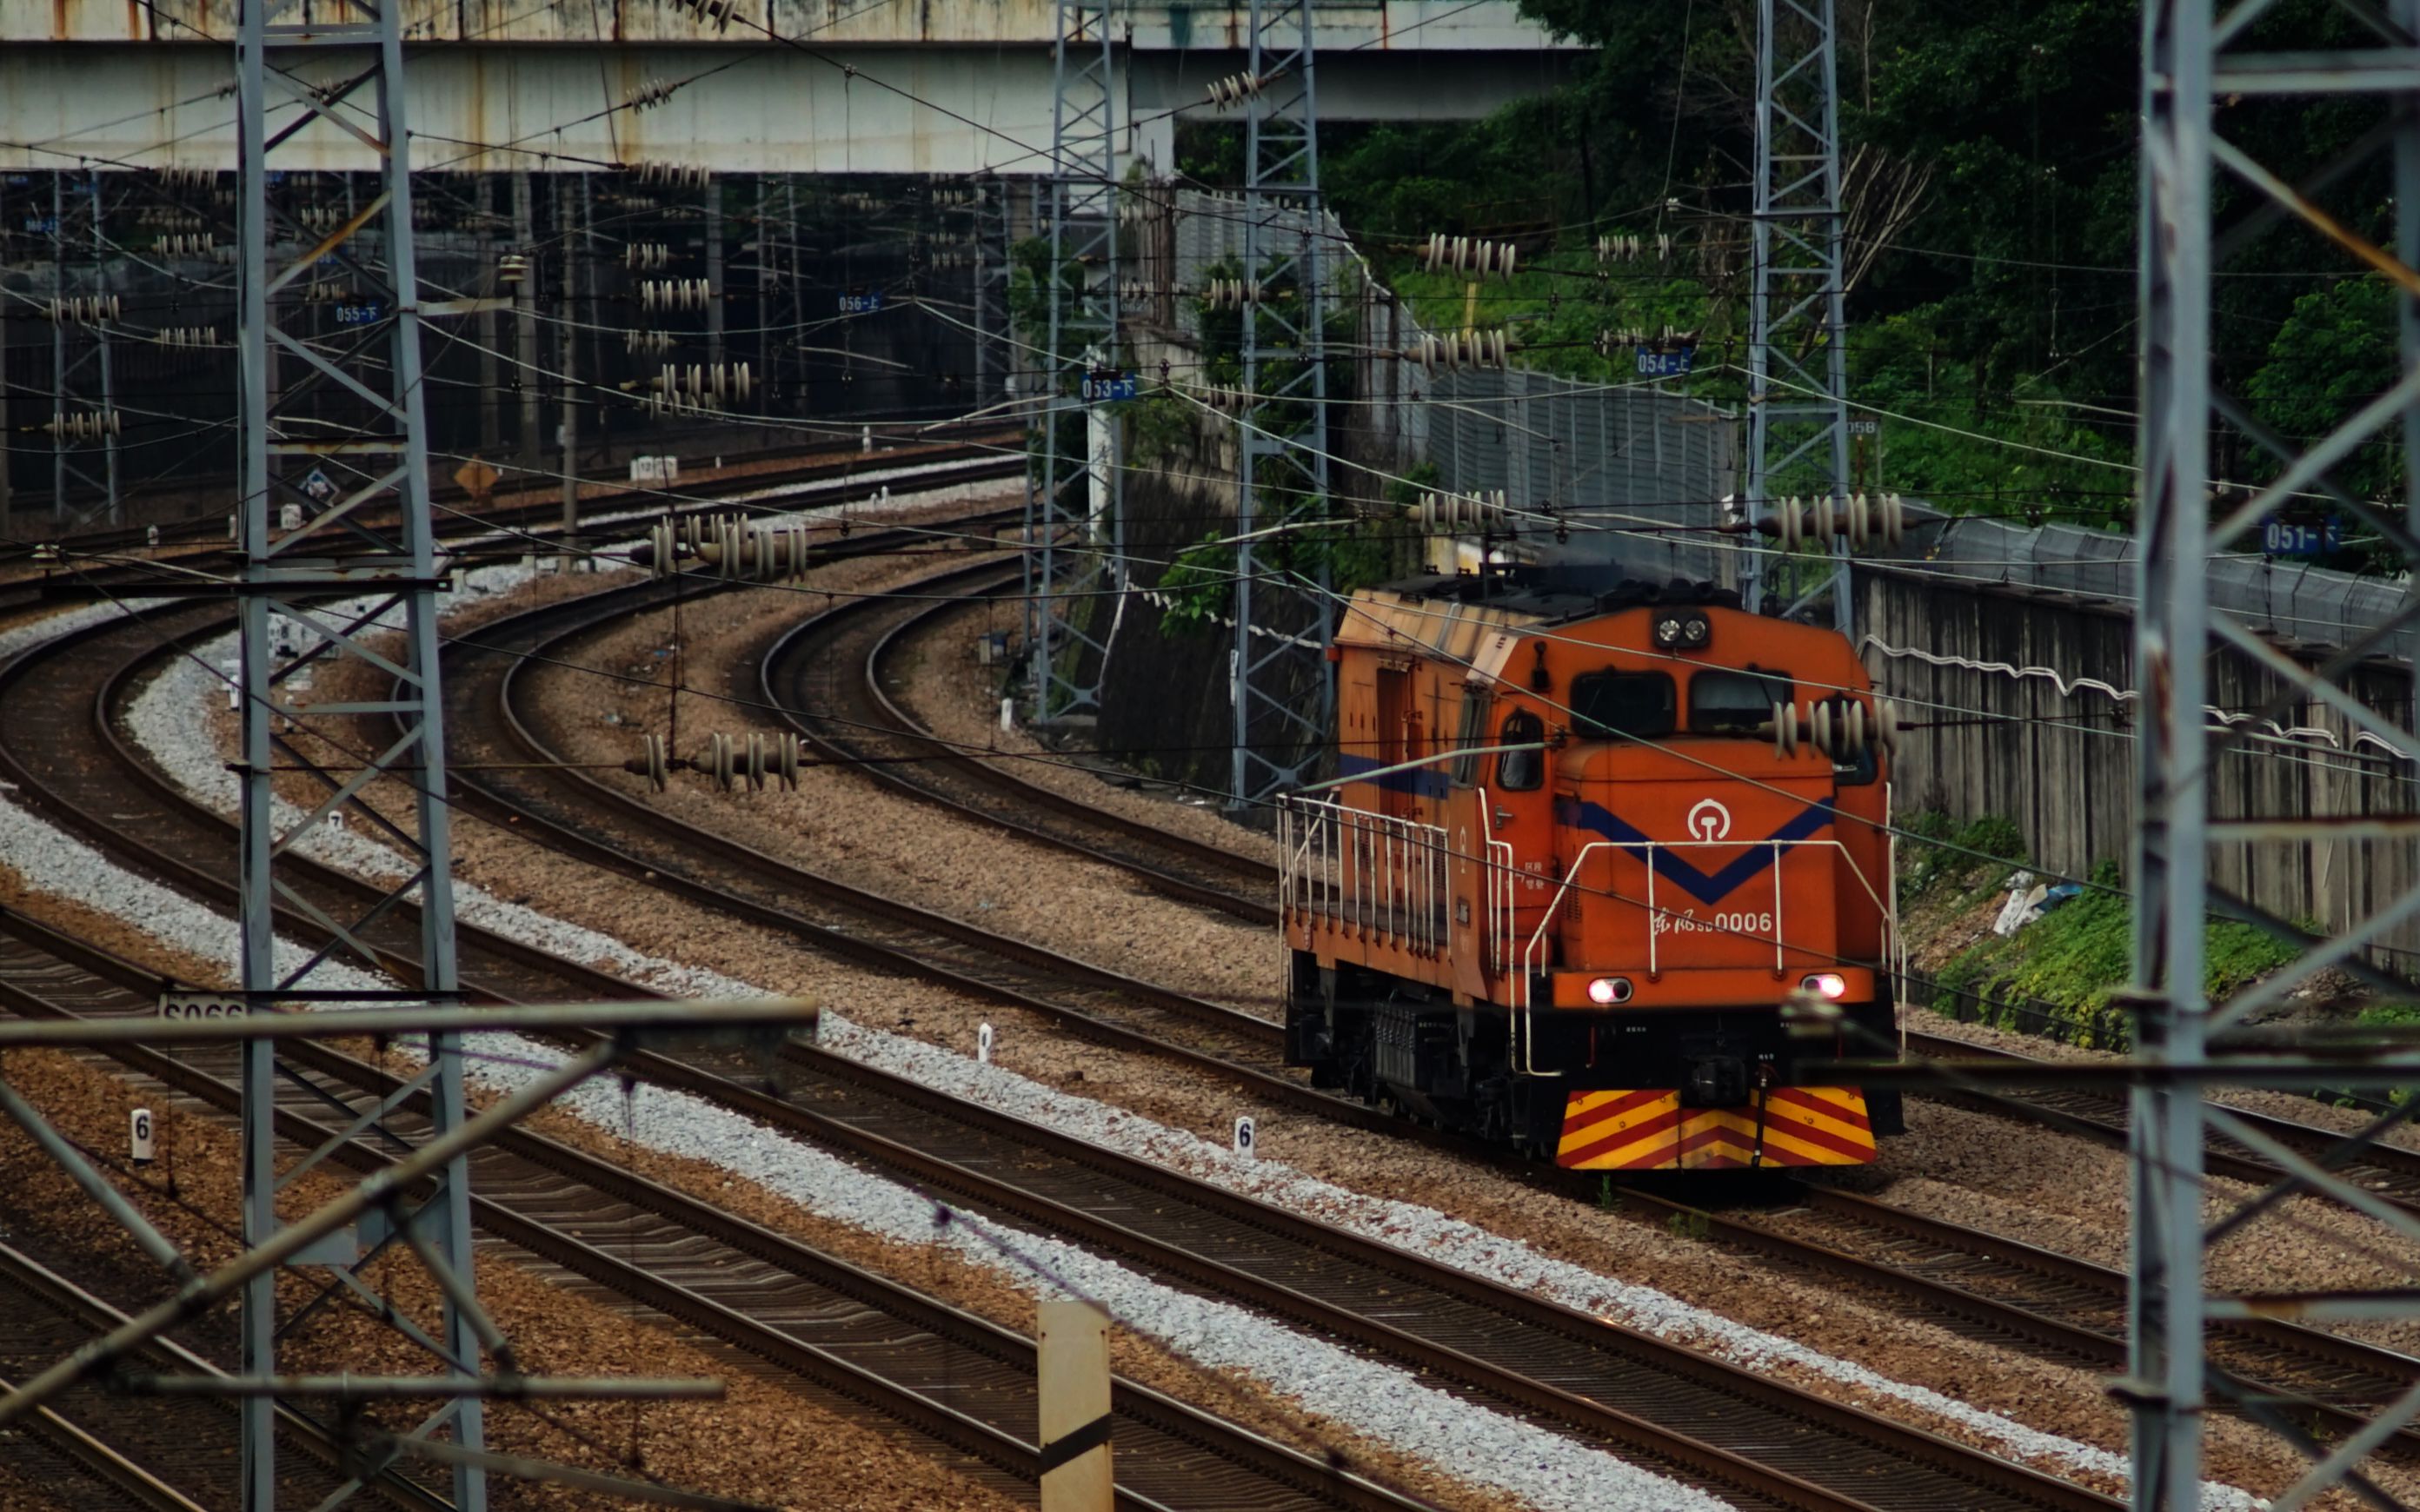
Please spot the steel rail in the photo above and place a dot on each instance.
(2273, 1353)
(1327, 1105)
(1300, 1473)
(999, 1190)
(808, 642)
(543, 508)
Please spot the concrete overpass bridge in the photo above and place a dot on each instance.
(813, 86)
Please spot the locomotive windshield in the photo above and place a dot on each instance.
(1734, 703)
(1622, 705)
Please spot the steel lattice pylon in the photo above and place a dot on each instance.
(82, 380)
(996, 349)
(1797, 357)
(2198, 829)
(1075, 506)
(325, 455)
(1282, 693)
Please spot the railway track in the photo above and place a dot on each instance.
(492, 725)
(2010, 1293)
(164, 1454)
(575, 813)
(830, 677)
(1761, 1444)
(537, 508)
(200, 544)
(573, 627)
(94, 1450)
(843, 1335)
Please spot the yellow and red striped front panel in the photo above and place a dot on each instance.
(1649, 1131)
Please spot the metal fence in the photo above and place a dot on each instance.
(1611, 459)
(2287, 600)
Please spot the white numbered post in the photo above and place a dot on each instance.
(139, 1135)
(983, 1043)
(1008, 714)
(1246, 1137)
(200, 1006)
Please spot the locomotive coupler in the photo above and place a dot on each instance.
(1716, 1082)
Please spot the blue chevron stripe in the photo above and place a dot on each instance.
(1420, 781)
(1670, 865)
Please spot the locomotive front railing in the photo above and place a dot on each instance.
(1373, 874)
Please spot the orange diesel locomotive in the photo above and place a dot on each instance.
(1591, 856)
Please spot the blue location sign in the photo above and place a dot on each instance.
(861, 303)
(360, 314)
(2289, 538)
(1103, 388)
(1673, 363)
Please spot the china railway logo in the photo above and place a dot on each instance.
(1709, 820)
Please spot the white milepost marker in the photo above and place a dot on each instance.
(1246, 1137)
(983, 1043)
(1008, 714)
(139, 1135)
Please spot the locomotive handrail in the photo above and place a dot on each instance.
(1528, 956)
(1496, 948)
(1376, 873)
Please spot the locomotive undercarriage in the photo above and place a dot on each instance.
(1404, 1045)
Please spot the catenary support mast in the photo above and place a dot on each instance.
(2205, 841)
(337, 455)
(1797, 354)
(1075, 509)
(1282, 695)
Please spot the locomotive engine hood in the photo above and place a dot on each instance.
(1713, 882)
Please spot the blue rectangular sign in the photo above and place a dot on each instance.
(1674, 363)
(2286, 538)
(359, 315)
(861, 303)
(1105, 387)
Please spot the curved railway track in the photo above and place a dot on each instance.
(1765, 1445)
(833, 676)
(491, 725)
(576, 813)
(573, 627)
(839, 1334)
(537, 508)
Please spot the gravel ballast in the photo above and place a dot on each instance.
(1375, 1400)
(600, 947)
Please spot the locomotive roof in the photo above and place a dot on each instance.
(1558, 594)
(1467, 619)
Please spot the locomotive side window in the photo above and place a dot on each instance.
(1520, 771)
(1612, 705)
(1734, 703)
(1473, 735)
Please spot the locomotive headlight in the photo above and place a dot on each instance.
(1829, 984)
(1605, 991)
(1674, 632)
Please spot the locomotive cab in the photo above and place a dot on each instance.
(1576, 922)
